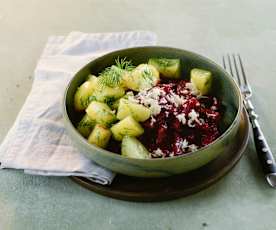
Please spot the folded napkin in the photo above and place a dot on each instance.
(37, 142)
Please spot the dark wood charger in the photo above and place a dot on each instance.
(161, 189)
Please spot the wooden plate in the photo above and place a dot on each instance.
(160, 189)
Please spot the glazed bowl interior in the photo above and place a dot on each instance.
(224, 88)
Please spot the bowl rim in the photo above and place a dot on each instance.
(92, 147)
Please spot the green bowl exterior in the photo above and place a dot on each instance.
(224, 88)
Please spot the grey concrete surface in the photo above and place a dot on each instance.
(241, 200)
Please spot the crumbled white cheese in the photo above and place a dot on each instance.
(167, 107)
(181, 117)
(184, 144)
(150, 99)
(171, 154)
(157, 153)
(175, 99)
(193, 147)
(152, 121)
(210, 115)
(155, 93)
(215, 100)
(152, 104)
(193, 117)
(185, 91)
(192, 88)
(213, 107)
(155, 108)
(163, 100)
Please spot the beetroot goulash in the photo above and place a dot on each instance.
(182, 121)
(149, 110)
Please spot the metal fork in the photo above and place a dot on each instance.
(264, 153)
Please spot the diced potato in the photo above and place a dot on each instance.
(81, 98)
(169, 68)
(92, 78)
(115, 104)
(143, 77)
(137, 111)
(202, 79)
(101, 113)
(85, 126)
(127, 126)
(126, 79)
(133, 148)
(108, 94)
(100, 136)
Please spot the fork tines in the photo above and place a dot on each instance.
(233, 63)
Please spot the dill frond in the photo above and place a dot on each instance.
(147, 74)
(112, 76)
(124, 64)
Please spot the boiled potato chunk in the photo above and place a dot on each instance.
(127, 126)
(169, 68)
(85, 126)
(108, 94)
(143, 77)
(202, 79)
(126, 79)
(92, 78)
(101, 113)
(81, 98)
(137, 111)
(100, 136)
(133, 148)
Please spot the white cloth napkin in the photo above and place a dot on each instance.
(37, 142)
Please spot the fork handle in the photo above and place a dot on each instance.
(264, 154)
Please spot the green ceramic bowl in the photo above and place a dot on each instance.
(223, 87)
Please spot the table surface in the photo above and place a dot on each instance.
(242, 200)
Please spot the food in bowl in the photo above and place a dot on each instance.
(222, 86)
(148, 111)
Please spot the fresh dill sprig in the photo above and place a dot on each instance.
(112, 76)
(124, 64)
(147, 74)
